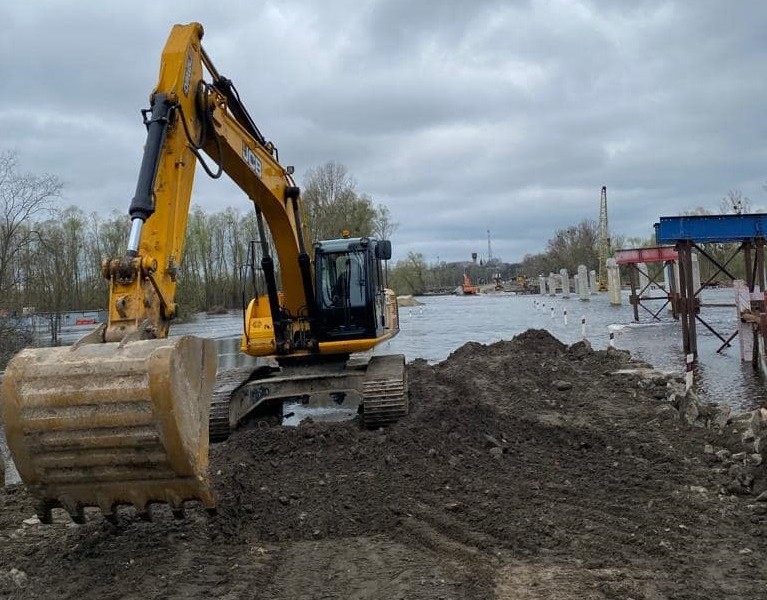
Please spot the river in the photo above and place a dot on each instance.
(444, 323)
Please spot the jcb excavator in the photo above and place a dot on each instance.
(122, 417)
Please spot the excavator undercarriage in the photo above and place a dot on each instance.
(376, 387)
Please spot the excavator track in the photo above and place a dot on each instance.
(384, 391)
(220, 426)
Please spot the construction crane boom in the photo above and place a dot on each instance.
(603, 234)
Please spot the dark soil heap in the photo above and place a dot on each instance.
(526, 469)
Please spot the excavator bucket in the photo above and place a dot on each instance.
(112, 424)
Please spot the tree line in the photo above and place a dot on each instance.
(50, 257)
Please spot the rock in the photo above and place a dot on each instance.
(755, 459)
(708, 449)
(739, 456)
(492, 442)
(19, 577)
(666, 412)
(723, 454)
(496, 452)
(688, 408)
(33, 520)
(720, 417)
(580, 349)
(561, 385)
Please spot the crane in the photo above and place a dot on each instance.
(603, 239)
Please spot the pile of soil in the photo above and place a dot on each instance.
(526, 469)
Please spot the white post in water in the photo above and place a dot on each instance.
(745, 332)
(688, 372)
(583, 326)
(565, 316)
(612, 339)
(583, 282)
(593, 282)
(565, 276)
(541, 285)
(695, 272)
(644, 280)
(552, 284)
(613, 281)
(552, 313)
(668, 274)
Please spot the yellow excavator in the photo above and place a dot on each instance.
(125, 415)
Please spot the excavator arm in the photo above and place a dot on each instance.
(187, 115)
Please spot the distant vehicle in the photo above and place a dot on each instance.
(467, 287)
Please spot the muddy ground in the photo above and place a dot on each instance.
(526, 470)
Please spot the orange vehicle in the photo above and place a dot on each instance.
(467, 286)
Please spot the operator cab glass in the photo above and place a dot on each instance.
(350, 299)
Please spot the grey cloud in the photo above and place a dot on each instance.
(461, 117)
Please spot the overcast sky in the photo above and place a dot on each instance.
(460, 116)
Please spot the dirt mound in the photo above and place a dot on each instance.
(525, 469)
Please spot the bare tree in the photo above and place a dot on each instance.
(22, 197)
(384, 227)
(332, 203)
(736, 203)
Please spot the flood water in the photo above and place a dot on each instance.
(444, 323)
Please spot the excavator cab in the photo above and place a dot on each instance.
(351, 296)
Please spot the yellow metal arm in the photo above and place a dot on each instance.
(187, 115)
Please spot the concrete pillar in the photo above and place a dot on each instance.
(644, 280)
(541, 285)
(565, 276)
(552, 284)
(583, 282)
(614, 281)
(745, 331)
(593, 282)
(695, 272)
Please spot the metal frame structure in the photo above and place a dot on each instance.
(631, 258)
(687, 233)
